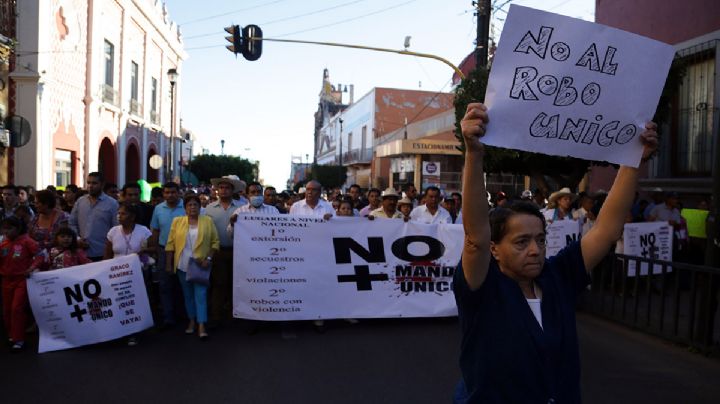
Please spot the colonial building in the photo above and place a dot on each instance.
(98, 80)
(7, 35)
(350, 136)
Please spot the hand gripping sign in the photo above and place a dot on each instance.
(567, 87)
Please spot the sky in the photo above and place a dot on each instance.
(264, 109)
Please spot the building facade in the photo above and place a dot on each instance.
(7, 44)
(350, 136)
(689, 135)
(92, 79)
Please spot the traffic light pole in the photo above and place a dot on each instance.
(342, 45)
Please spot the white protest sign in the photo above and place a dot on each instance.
(652, 240)
(301, 268)
(89, 303)
(560, 234)
(567, 87)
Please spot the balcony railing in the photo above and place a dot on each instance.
(357, 156)
(135, 107)
(110, 95)
(154, 117)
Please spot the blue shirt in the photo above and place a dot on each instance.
(93, 221)
(506, 357)
(221, 218)
(162, 218)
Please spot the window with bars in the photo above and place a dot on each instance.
(693, 113)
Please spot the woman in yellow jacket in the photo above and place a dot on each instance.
(192, 237)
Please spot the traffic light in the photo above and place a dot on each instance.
(235, 40)
(252, 42)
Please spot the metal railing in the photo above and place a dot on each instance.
(357, 156)
(110, 95)
(674, 300)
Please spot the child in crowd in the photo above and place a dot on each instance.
(65, 252)
(19, 256)
(405, 206)
(345, 208)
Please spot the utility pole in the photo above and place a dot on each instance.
(483, 31)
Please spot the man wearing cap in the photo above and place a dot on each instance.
(221, 276)
(562, 205)
(431, 212)
(388, 210)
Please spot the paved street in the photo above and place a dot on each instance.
(376, 361)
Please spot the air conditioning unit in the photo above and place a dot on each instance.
(4, 138)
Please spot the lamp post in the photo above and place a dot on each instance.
(172, 77)
(341, 164)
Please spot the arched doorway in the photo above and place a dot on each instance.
(132, 164)
(107, 161)
(152, 174)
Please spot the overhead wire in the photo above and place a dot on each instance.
(211, 17)
(322, 10)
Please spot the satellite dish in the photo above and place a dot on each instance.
(20, 130)
(155, 161)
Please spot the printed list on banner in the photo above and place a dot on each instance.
(568, 87)
(560, 234)
(302, 268)
(653, 240)
(89, 303)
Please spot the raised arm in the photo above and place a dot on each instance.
(476, 249)
(611, 219)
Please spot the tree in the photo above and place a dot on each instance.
(328, 176)
(565, 171)
(208, 166)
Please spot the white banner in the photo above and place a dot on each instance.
(560, 233)
(568, 87)
(302, 268)
(648, 240)
(89, 303)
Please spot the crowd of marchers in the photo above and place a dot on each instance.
(185, 226)
(181, 228)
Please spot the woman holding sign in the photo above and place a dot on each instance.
(517, 309)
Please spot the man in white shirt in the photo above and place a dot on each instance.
(431, 212)
(312, 205)
(255, 207)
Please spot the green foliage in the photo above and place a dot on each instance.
(565, 171)
(207, 166)
(329, 176)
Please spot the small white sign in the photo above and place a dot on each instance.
(568, 87)
(431, 168)
(560, 234)
(90, 303)
(652, 240)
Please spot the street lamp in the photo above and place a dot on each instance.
(172, 75)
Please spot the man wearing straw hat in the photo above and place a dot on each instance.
(221, 276)
(560, 205)
(388, 210)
